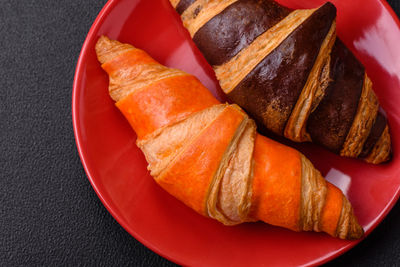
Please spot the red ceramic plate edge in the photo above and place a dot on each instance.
(391, 11)
(75, 121)
(390, 204)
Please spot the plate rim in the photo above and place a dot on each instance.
(101, 16)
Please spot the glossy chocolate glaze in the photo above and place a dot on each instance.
(276, 83)
(330, 123)
(225, 35)
(183, 5)
(374, 135)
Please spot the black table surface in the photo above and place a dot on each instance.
(49, 213)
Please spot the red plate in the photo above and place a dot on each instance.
(117, 168)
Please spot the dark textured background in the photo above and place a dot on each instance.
(49, 214)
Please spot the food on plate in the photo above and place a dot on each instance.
(209, 155)
(291, 73)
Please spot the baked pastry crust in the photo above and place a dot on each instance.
(209, 155)
(288, 70)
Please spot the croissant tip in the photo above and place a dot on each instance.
(101, 41)
(331, 7)
(103, 44)
(355, 229)
(100, 47)
(107, 49)
(356, 234)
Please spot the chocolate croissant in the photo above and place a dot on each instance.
(209, 155)
(291, 73)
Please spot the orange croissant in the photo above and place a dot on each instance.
(209, 155)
